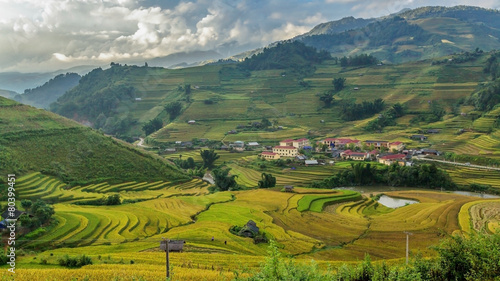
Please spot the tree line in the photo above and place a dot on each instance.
(424, 175)
(351, 111)
(458, 258)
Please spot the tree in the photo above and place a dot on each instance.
(338, 83)
(265, 123)
(437, 111)
(267, 181)
(224, 181)
(327, 98)
(173, 109)
(42, 211)
(398, 110)
(187, 92)
(26, 204)
(476, 258)
(113, 200)
(152, 126)
(209, 157)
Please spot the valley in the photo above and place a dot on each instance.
(287, 155)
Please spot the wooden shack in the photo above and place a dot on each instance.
(288, 188)
(249, 230)
(173, 245)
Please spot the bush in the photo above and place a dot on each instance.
(3, 258)
(72, 262)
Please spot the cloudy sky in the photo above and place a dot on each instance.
(52, 34)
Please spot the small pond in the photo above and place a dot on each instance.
(369, 189)
(394, 203)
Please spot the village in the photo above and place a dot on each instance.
(303, 150)
(382, 151)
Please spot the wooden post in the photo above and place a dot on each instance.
(168, 260)
(407, 243)
(164, 246)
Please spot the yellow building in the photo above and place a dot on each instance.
(397, 145)
(358, 156)
(299, 143)
(268, 155)
(390, 159)
(285, 151)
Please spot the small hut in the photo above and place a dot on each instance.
(249, 230)
(288, 188)
(173, 245)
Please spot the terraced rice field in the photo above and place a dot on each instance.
(302, 176)
(480, 215)
(465, 176)
(37, 186)
(326, 225)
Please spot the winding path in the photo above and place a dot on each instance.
(460, 164)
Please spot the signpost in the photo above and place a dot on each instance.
(164, 247)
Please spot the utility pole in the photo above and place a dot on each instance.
(164, 246)
(407, 243)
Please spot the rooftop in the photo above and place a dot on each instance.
(285, 147)
(393, 156)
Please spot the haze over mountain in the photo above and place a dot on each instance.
(46, 94)
(18, 82)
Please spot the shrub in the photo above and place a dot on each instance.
(78, 261)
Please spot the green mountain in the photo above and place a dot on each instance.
(338, 26)
(423, 33)
(300, 97)
(34, 140)
(43, 96)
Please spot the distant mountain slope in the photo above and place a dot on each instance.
(8, 94)
(421, 33)
(409, 35)
(337, 26)
(470, 14)
(184, 58)
(18, 82)
(49, 92)
(34, 140)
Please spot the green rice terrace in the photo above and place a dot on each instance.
(115, 201)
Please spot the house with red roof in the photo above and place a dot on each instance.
(287, 142)
(301, 143)
(392, 158)
(298, 143)
(377, 144)
(397, 145)
(340, 142)
(353, 155)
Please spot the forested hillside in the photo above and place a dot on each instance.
(49, 92)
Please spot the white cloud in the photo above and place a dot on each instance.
(43, 35)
